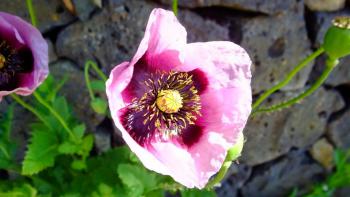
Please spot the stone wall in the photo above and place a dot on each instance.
(282, 149)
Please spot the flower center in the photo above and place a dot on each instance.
(169, 101)
(342, 22)
(2, 61)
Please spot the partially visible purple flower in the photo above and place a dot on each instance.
(23, 56)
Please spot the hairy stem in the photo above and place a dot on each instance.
(31, 109)
(54, 112)
(175, 7)
(32, 13)
(92, 64)
(329, 67)
(288, 78)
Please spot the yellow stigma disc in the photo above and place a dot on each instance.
(342, 22)
(2, 61)
(169, 101)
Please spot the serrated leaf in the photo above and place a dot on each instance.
(87, 145)
(137, 178)
(68, 147)
(61, 106)
(41, 152)
(7, 147)
(197, 193)
(78, 165)
(24, 190)
(79, 130)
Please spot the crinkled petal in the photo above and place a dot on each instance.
(118, 80)
(32, 38)
(164, 38)
(225, 109)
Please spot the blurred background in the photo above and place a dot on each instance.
(284, 150)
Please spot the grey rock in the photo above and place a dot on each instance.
(276, 44)
(322, 151)
(280, 177)
(113, 35)
(338, 131)
(52, 51)
(84, 8)
(269, 7)
(102, 139)
(325, 5)
(50, 14)
(269, 136)
(236, 177)
(76, 92)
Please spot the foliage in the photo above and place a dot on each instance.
(58, 160)
(338, 179)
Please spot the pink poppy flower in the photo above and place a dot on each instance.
(181, 106)
(23, 56)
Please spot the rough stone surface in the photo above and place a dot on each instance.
(269, 7)
(338, 131)
(50, 14)
(84, 8)
(52, 51)
(322, 151)
(281, 176)
(282, 44)
(113, 35)
(236, 177)
(270, 136)
(75, 91)
(325, 5)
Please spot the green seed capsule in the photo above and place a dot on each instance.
(337, 39)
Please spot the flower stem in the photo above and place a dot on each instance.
(175, 7)
(54, 112)
(329, 67)
(97, 69)
(92, 64)
(32, 13)
(288, 78)
(31, 109)
(232, 154)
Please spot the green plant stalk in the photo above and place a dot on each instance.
(288, 78)
(92, 64)
(232, 154)
(32, 13)
(57, 116)
(31, 109)
(97, 69)
(174, 6)
(87, 80)
(315, 86)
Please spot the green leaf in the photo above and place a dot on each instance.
(88, 143)
(197, 193)
(137, 179)
(68, 148)
(41, 152)
(79, 130)
(24, 190)
(78, 165)
(7, 147)
(98, 85)
(61, 106)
